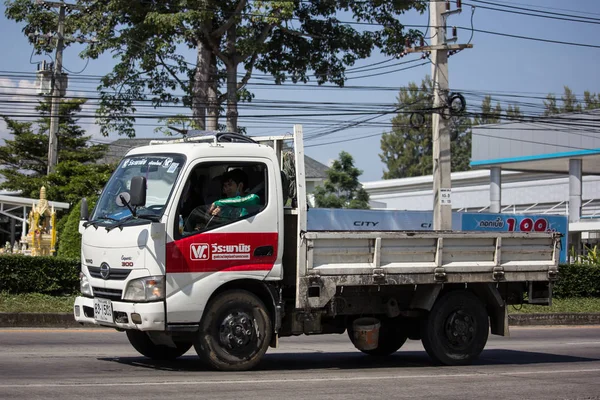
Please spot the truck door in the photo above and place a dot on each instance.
(220, 235)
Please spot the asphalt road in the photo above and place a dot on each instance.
(535, 363)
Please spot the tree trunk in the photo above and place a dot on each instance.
(200, 89)
(212, 122)
(232, 111)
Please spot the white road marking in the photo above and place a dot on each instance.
(302, 380)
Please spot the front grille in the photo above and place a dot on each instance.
(111, 294)
(116, 274)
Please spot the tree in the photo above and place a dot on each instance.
(570, 103)
(513, 113)
(25, 157)
(69, 241)
(591, 100)
(489, 115)
(408, 149)
(282, 38)
(342, 188)
(550, 105)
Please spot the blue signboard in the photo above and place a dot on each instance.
(342, 219)
(325, 219)
(518, 223)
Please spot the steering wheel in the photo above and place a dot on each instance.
(199, 217)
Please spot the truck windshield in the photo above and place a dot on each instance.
(161, 173)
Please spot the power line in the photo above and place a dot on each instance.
(534, 39)
(511, 11)
(538, 11)
(544, 7)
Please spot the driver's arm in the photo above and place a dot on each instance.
(248, 200)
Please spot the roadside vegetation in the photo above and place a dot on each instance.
(569, 305)
(35, 302)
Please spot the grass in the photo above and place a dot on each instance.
(35, 302)
(572, 305)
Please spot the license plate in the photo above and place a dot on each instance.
(103, 310)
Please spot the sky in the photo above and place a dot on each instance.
(504, 67)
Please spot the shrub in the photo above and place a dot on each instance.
(578, 280)
(69, 237)
(50, 275)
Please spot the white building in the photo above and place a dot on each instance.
(550, 166)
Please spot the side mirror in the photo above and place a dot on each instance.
(137, 191)
(83, 212)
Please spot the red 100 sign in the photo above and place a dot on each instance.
(527, 225)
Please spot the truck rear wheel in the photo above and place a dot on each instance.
(456, 330)
(235, 331)
(391, 338)
(142, 343)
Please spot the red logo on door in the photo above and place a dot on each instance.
(199, 251)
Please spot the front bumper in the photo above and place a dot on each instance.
(152, 314)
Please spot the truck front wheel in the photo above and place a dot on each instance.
(456, 330)
(142, 343)
(235, 331)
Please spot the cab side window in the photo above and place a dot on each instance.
(218, 194)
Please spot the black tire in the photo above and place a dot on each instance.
(142, 343)
(391, 338)
(456, 330)
(235, 331)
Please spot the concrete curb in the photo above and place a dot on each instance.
(554, 319)
(66, 320)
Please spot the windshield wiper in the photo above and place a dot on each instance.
(120, 223)
(152, 218)
(94, 222)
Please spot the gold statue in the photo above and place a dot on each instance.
(41, 239)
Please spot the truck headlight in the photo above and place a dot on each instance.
(150, 288)
(84, 285)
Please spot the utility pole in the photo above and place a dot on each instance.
(56, 91)
(58, 80)
(439, 10)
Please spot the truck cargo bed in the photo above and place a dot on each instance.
(346, 258)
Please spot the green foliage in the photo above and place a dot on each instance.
(550, 105)
(591, 256)
(578, 280)
(25, 157)
(407, 150)
(35, 303)
(560, 305)
(71, 181)
(69, 236)
(289, 40)
(570, 103)
(489, 114)
(342, 188)
(49, 275)
(591, 100)
(513, 113)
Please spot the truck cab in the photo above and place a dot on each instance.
(141, 263)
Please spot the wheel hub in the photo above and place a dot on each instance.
(236, 330)
(460, 329)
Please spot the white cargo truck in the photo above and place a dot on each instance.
(167, 261)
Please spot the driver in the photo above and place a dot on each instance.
(234, 205)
